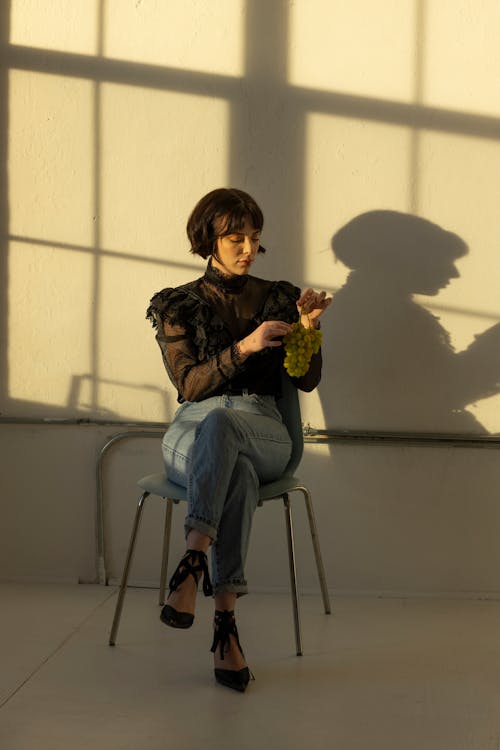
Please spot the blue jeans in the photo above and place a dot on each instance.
(221, 449)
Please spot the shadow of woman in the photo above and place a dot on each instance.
(391, 364)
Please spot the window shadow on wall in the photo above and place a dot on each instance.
(267, 156)
(255, 153)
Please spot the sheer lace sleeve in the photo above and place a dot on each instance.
(198, 366)
(193, 379)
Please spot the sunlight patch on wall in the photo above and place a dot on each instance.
(49, 326)
(133, 383)
(357, 47)
(487, 412)
(63, 25)
(184, 34)
(50, 157)
(351, 167)
(160, 153)
(462, 56)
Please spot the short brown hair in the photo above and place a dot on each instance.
(220, 212)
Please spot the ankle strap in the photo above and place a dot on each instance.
(225, 626)
(194, 562)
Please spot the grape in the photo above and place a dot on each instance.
(300, 344)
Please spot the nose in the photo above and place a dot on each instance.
(248, 246)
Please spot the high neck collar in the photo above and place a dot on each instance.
(224, 283)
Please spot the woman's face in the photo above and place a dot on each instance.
(236, 252)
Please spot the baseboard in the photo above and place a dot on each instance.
(345, 593)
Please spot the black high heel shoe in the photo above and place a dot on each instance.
(225, 626)
(193, 563)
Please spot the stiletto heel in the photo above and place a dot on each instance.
(193, 563)
(225, 627)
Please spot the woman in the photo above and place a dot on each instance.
(220, 338)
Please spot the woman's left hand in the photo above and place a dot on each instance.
(311, 305)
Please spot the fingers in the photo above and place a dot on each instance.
(278, 328)
(327, 301)
(310, 300)
(273, 342)
(269, 333)
(273, 330)
(304, 297)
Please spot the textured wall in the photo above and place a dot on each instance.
(119, 114)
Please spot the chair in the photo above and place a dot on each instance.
(158, 484)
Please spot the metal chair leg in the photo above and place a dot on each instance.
(126, 569)
(317, 550)
(166, 549)
(293, 573)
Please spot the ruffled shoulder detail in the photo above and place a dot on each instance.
(184, 306)
(177, 305)
(281, 302)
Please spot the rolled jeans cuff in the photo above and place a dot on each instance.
(205, 527)
(233, 586)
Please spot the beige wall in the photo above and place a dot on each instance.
(117, 116)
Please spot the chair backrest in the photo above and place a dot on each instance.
(289, 406)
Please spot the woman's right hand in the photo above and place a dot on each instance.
(265, 335)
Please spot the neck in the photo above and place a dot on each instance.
(221, 268)
(221, 278)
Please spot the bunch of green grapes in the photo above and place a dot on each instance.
(300, 344)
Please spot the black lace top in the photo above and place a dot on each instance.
(197, 325)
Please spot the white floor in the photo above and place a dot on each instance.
(378, 673)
